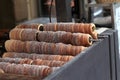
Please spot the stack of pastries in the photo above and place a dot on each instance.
(41, 49)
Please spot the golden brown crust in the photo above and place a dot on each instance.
(94, 35)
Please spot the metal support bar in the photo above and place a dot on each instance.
(117, 60)
(114, 53)
(63, 11)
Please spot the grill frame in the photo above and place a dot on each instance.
(99, 62)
